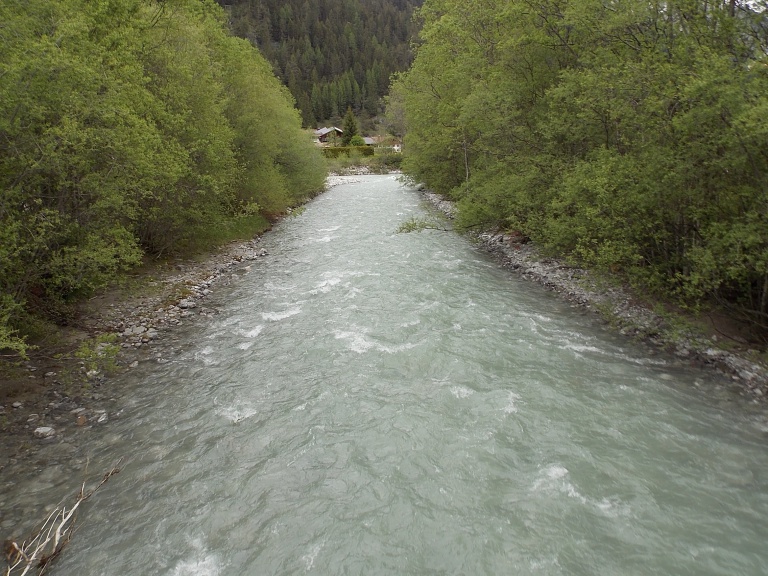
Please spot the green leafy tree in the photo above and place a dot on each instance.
(625, 136)
(130, 127)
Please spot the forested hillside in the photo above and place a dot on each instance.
(331, 54)
(130, 127)
(631, 136)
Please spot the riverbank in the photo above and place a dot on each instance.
(715, 343)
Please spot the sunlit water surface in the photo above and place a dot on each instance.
(369, 402)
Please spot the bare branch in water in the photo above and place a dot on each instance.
(34, 554)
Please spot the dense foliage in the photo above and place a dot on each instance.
(629, 135)
(331, 54)
(130, 127)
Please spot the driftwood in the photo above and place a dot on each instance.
(34, 554)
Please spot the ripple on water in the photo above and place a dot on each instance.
(277, 316)
(358, 342)
(236, 412)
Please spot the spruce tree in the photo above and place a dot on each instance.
(350, 127)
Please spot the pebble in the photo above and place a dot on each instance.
(44, 432)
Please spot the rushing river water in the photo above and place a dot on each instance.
(369, 402)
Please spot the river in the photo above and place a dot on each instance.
(368, 402)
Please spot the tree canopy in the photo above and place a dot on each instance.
(630, 136)
(331, 54)
(130, 127)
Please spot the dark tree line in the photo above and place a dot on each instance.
(332, 54)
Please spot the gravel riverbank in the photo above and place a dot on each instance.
(622, 308)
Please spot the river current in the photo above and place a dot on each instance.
(368, 402)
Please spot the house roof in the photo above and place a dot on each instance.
(323, 131)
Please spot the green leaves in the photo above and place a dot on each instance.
(626, 135)
(129, 127)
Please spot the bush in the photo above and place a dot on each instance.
(337, 151)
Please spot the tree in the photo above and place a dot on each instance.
(625, 136)
(350, 127)
(129, 129)
(337, 41)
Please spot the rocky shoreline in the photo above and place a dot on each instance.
(64, 396)
(619, 307)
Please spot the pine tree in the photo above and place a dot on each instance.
(350, 127)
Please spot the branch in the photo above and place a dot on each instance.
(417, 225)
(48, 541)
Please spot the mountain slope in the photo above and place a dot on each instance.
(331, 54)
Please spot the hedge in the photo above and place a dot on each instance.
(337, 151)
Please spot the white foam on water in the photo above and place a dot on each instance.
(250, 332)
(244, 345)
(325, 286)
(550, 475)
(394, 349)
(309, 557)
(353, 292)
(761, 424)
(253, 332)
(582, 348)
(276, 316)
(555, 479)
(216, 334)
(613, 507)
(357, 342)
(511, 406)
(461, 392)
(205, 354)
(205, 566)
(451, 264)
(201, 563)
(331, 229)
(539, 317)
(322, 239)
(238, 412)
(301, 407)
